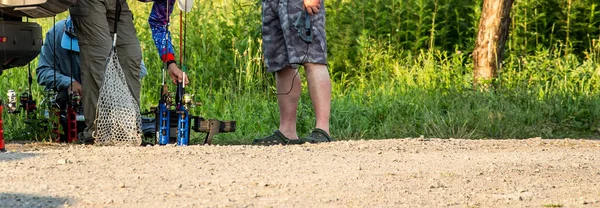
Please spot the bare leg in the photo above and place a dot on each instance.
(288, 103)
(319, 87)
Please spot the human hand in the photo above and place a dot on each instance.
(312, 6)
(177, 75)
(75, 88)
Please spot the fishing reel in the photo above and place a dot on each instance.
(75, 103)
(26, 102)
(49, 103)
(188, 101)
(11, 104)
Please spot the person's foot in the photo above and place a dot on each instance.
(320, 135)
(274, 139)
(86, 137)
(278, 138)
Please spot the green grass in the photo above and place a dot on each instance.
(397, 69)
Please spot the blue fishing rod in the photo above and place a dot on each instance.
(163, 114)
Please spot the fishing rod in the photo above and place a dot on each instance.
(182, 99)
(163, 114)
(74, 102)
(52, 93)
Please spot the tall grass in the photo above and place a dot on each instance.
(399, 69)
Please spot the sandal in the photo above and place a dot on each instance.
(320, 135)
(278, 138)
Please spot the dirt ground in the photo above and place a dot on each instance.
(415, 172)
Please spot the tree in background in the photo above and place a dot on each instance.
(491, 38)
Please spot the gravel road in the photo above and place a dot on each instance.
(412, 172)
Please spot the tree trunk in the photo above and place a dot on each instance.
(491, 38)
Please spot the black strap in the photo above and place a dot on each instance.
(117, 14)
(303, 27)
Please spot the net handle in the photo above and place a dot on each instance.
(117, 18)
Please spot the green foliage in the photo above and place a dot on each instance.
(566, 25)
(399, 69)
(22, 126)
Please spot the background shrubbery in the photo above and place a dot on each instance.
(399, 69)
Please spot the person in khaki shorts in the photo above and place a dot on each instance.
(94, 21)
(293, 34)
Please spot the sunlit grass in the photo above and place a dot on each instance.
(392, 76)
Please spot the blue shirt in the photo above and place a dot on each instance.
(66, 60)
(159, 22)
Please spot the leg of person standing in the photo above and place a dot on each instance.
(93, 21)
(284, 49)
(287, 83)
(317, 74)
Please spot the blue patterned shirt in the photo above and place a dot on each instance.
(159, 22)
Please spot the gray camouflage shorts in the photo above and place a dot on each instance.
(282, 45)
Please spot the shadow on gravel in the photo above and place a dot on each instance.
(10, 156)
(28, 200)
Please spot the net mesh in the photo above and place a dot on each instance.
(118, 120)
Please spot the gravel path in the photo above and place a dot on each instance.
(376, 173)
